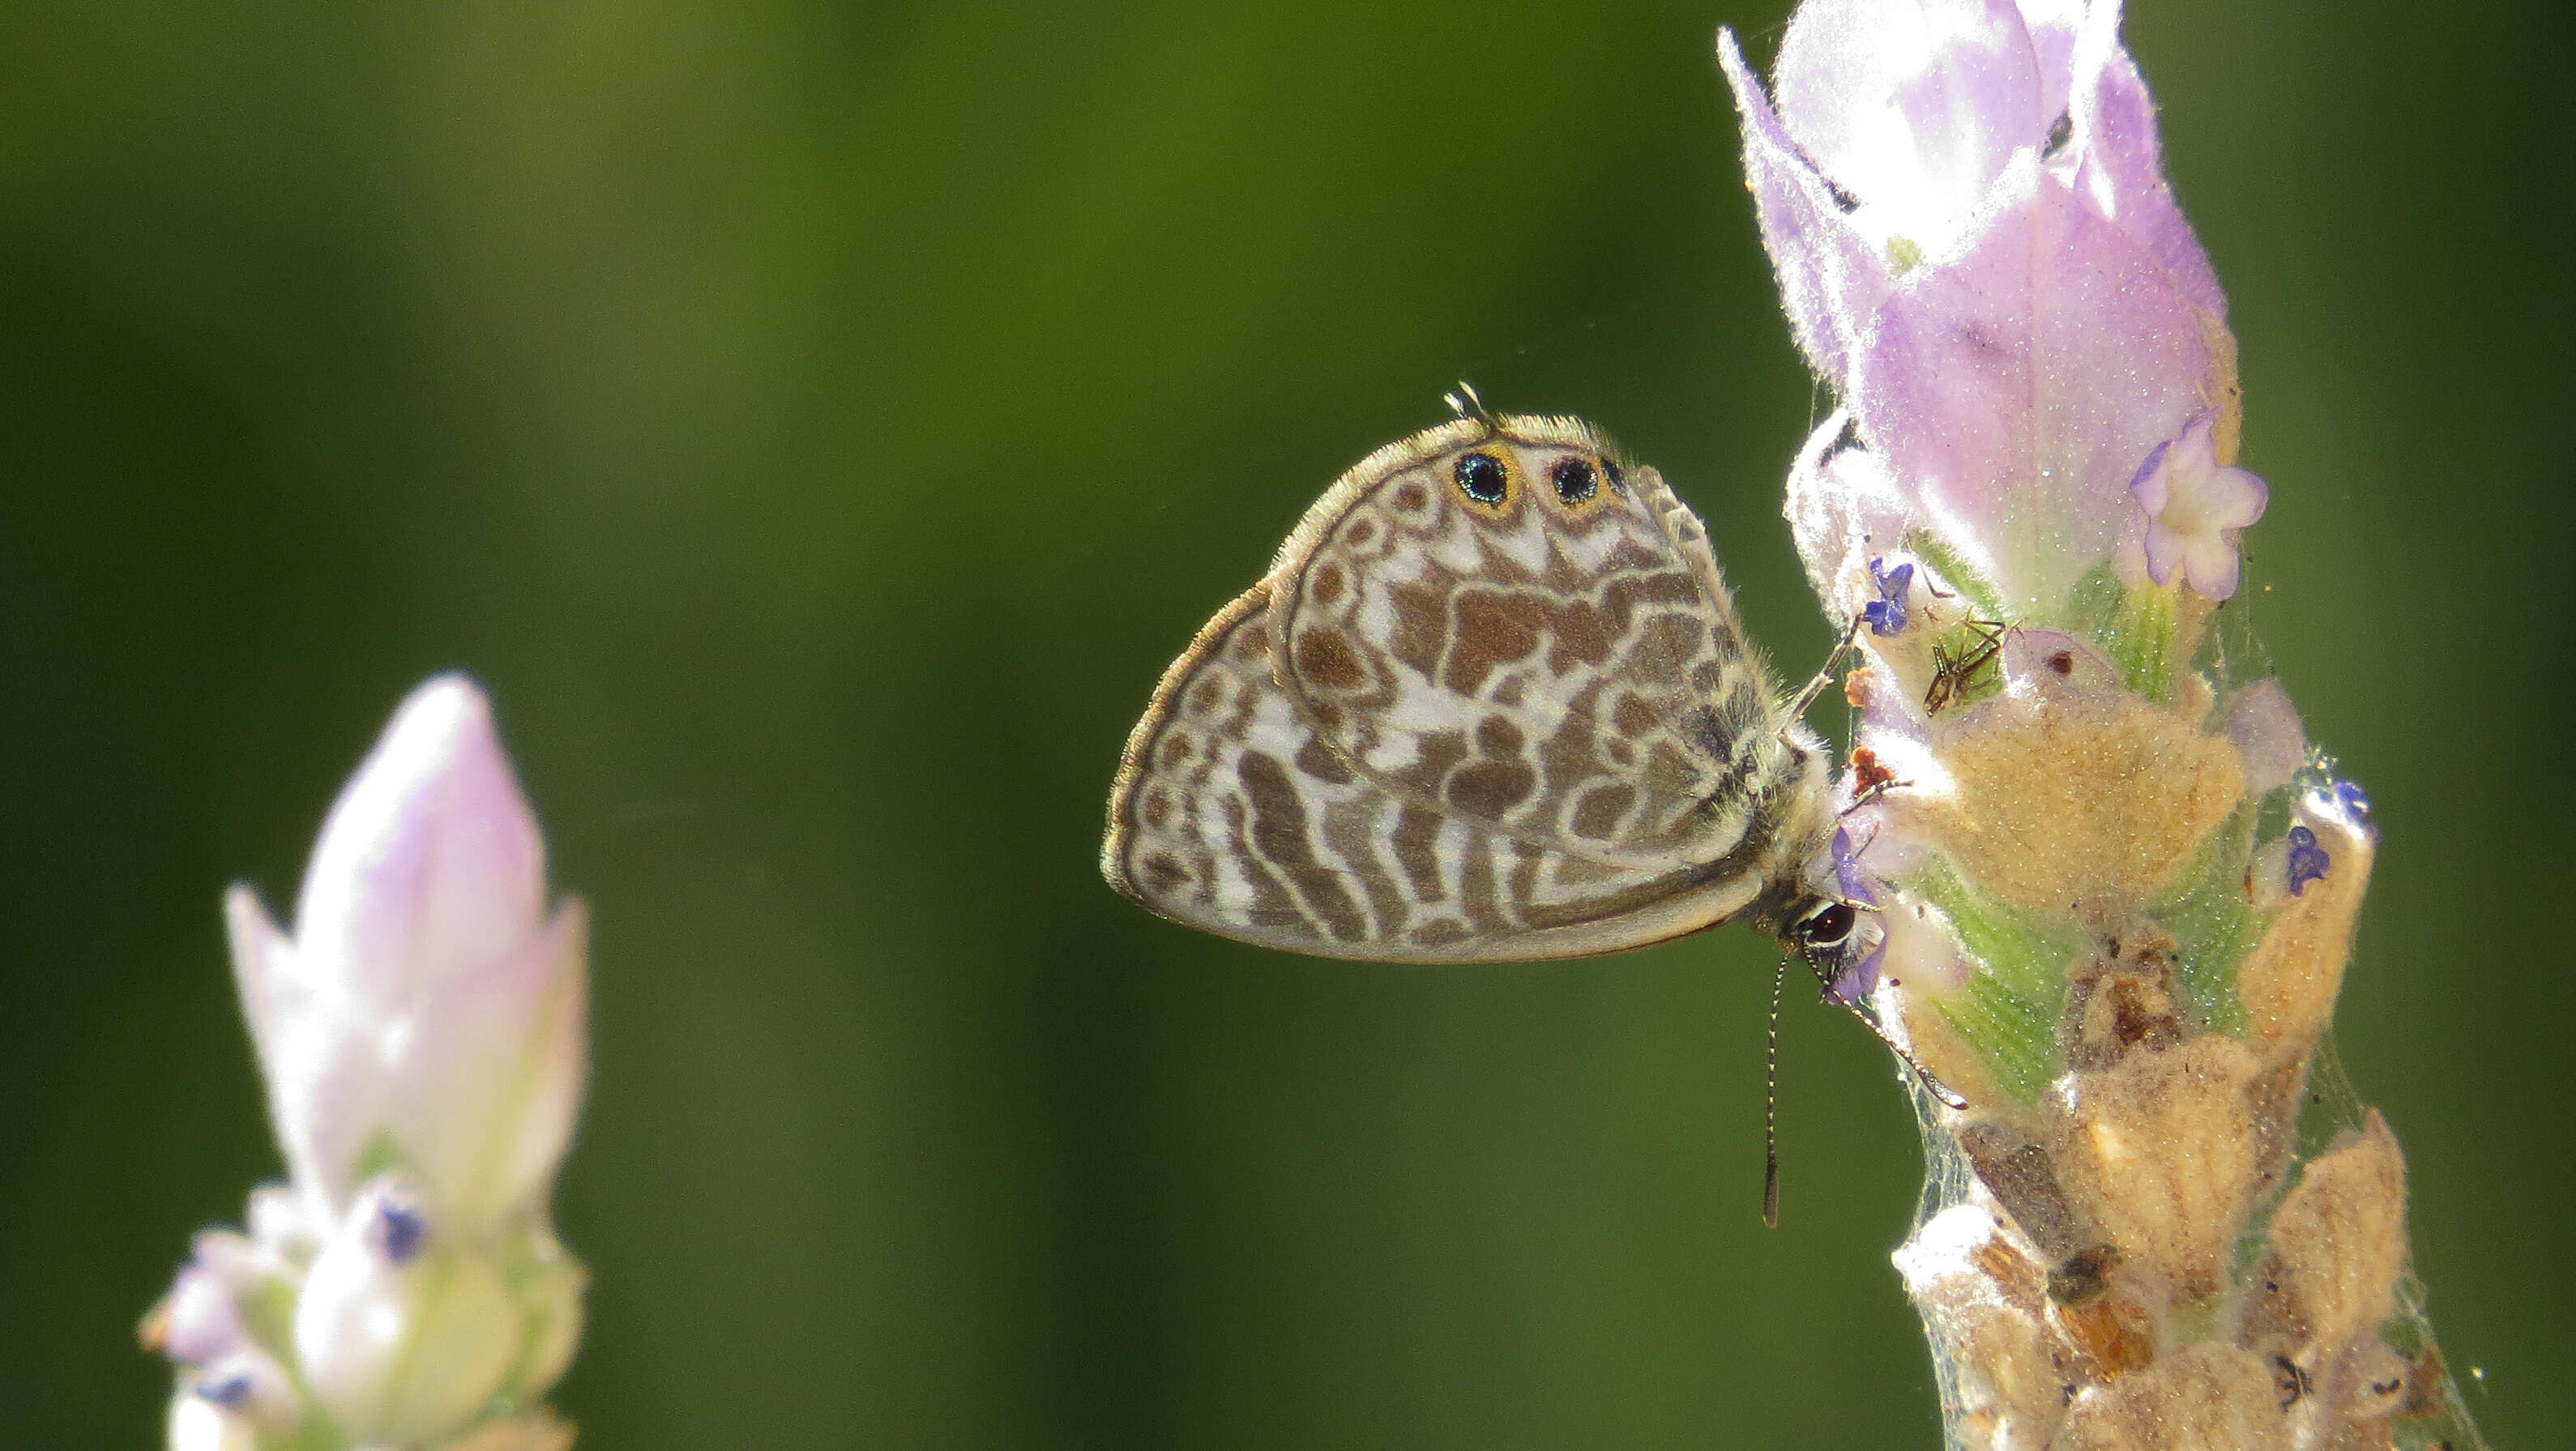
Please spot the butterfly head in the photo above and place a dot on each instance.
(1834, 924)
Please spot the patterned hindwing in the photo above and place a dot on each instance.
(1496, 619)
(1233, 815)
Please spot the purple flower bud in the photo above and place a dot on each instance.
(2307, 862)
(2354, 803)
(426, 996)
(1965, 205)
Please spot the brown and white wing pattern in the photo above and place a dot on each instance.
(1232, 813)
(1495, 619)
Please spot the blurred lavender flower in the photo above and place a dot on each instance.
(422, 1037)
(2115, 888)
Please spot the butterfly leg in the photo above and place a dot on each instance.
(1870, 794)
(1824, 677)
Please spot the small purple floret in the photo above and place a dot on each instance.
(1847, 874)
(1887, 614)
(405, 1232)
(1856, 982)
(2349, 793)
(2308, 861)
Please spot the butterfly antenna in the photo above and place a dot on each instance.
(1931, 1084)
(1771, 1107)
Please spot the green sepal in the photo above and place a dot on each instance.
(2135, 629)
(1964, 577)
(2015, 998)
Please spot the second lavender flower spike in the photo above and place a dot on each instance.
(422, 1037)
(2115, 888)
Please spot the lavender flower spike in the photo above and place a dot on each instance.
(422, 1037)
(2115, 887)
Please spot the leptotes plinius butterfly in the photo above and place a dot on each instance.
(1491, 703)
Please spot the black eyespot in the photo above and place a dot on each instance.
(1618, 476)
(1827, 926)
(1481, 477)
(1576, 479)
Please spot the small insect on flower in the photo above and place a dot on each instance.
(1954, 677)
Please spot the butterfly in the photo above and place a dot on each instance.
(1491, 703)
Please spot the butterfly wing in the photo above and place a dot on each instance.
(1495, 620)
(1233, 813)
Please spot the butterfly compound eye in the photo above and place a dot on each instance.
(1828, 926)
(1481, 477)
(1576, 480)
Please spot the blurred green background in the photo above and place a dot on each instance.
(818, 426)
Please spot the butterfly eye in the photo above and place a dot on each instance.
(1830, 925)
(1482, 477)
(1576, 479)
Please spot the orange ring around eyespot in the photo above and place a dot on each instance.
(1507, 458)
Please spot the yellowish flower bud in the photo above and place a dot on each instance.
(2159, 1151)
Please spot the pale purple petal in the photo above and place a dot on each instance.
(483, 1083)
(430, 863)
(2233, 498)
(2053, 26)
(1831, 276)
(2269, 740)
(282, 1225)
(2211, 565)
(1844, 509)
(2166, 551)
(2122, 170)
(309, 1031)
(200, 1320)
(2016, 390)
(1911, 106)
